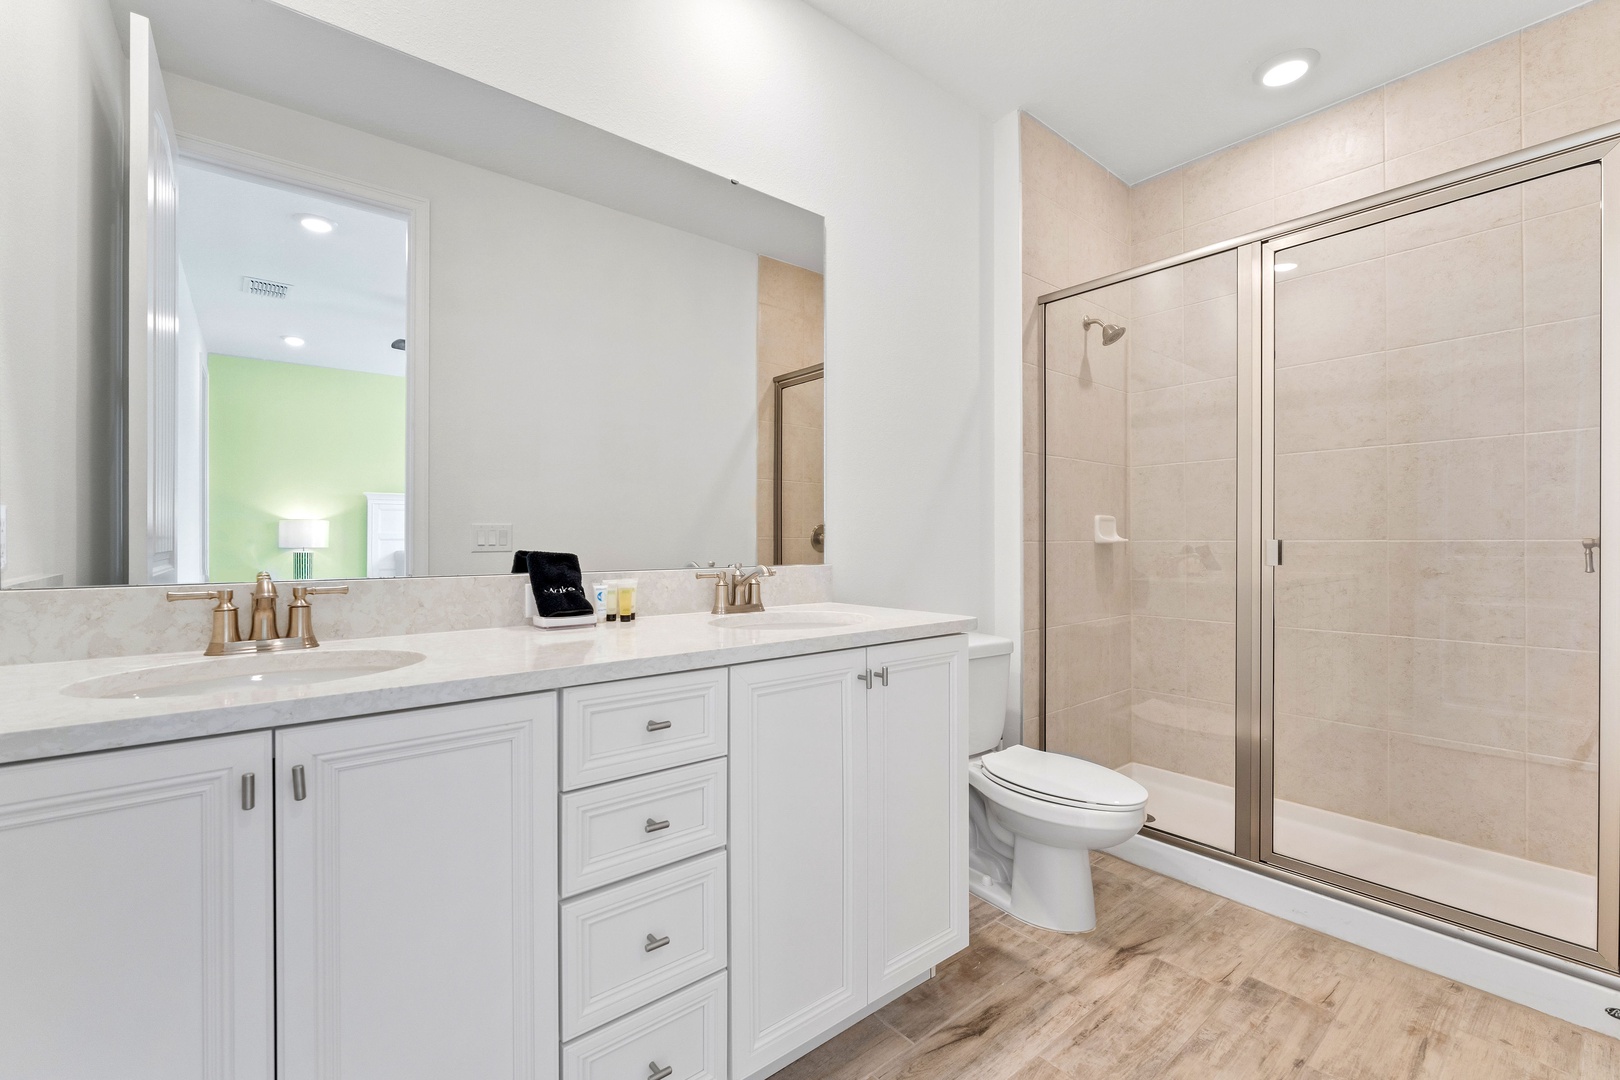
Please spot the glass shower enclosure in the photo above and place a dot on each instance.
(1321, 558)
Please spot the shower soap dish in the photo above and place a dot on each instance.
(1106, 530)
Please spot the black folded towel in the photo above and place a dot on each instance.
(554, 576)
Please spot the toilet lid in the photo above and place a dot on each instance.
(1061, 777)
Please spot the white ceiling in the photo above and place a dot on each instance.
(1145, 85)
(347, 299)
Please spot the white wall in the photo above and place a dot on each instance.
(61, 318)
(778, 96)
(191, 440)
(592, 373)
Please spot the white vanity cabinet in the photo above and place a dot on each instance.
(694, 875)
(135, 932)
(849, 836)
(415, 894)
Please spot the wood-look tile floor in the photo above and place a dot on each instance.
(1180, 983)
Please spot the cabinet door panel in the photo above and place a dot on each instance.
(416, 887)
(917, 739)
(135, 937)
(798, 852)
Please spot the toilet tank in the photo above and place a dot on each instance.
(989, 659)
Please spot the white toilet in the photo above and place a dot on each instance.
(1035, 817)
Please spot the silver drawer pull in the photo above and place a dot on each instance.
(300, 790)
(654, 943)
(659, 725)
(655, 826)
(655, 1073)
(250, 791)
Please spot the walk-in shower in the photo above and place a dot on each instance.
(1354, 632)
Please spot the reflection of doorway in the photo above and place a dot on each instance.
(798, 529)
(292, 371)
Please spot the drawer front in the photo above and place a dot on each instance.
(632, 943)
(622, 729)
(617, 830)
(685, 1033)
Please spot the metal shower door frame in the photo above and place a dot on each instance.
(1606, 154)
(1255, 601)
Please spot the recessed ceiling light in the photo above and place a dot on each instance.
(1284, 267)
(295, 342)
(316, 224)
(1290, 67)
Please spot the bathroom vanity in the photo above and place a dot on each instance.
(689, 849)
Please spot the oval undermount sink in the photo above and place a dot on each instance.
(787, 620)
(268, 671)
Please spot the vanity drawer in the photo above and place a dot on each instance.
(614, 831)
(614, 730)
(633, 943)
(685, 1033)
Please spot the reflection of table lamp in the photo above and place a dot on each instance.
(303, 536)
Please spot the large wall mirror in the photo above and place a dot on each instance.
(275, 297)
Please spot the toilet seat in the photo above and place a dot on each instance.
(1064, 780)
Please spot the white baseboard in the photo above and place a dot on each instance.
(1579, 999)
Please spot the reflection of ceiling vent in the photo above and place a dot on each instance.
(275, 290)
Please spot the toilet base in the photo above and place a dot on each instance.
(1051, 890)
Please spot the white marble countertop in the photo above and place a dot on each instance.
(38, 720)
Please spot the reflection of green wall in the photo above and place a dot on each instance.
(296, 441)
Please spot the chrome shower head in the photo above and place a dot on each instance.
(1111, 333)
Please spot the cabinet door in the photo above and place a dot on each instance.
(916, 735)
(417, 894)
(135, 936)
(798, 852)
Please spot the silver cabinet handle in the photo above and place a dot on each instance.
(300, 791)
(1591, 545)
(250, 793)
(866, 677)
(655, 1073)
(655, 826)
(659, 725)
(654, 943)
(883, 676)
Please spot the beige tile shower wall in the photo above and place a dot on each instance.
(1437, 395)
(791, 308)
(1075, 227)
(1545, 82)
(1183, 496)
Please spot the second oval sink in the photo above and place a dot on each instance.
(253, 672)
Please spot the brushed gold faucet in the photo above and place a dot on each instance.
(226, 639)
(736, 592)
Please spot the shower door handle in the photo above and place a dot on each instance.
(1591, 545)
(1273, 552)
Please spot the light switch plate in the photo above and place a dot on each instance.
(492, 536)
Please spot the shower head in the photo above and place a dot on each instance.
(1111, 333)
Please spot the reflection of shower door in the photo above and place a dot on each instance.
(798, 534)
(1432, 404)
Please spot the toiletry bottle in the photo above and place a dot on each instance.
(609, 592)
(627, 599)
(605, 602)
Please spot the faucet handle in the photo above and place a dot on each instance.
(301, 591)
(299, 624)
(226, 629)
(222, 595)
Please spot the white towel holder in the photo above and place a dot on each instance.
(1106, 530)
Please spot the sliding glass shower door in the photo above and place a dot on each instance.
(1434, 398)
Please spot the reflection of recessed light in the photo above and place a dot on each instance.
(316, 224)
(1288, 68)
(295, 342)
(1283, 268)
